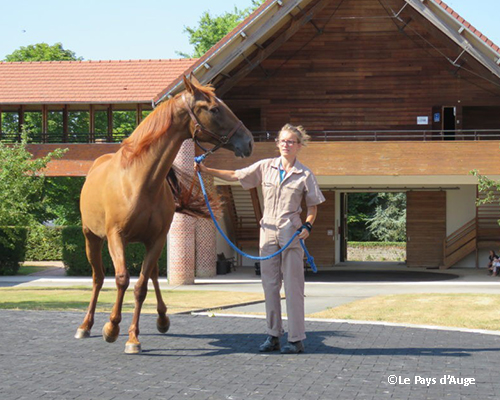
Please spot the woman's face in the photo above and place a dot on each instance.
(288, 144)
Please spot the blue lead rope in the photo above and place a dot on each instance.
(310, 259)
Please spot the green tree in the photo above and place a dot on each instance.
(211, 29)
(21, 183)
(42, 52)
(388, 223)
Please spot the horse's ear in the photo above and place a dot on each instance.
(188, 85)
(194, 81)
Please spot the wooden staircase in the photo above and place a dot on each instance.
(483, 231)
(244, 211)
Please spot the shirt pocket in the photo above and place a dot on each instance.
(291, 197)
(269, 191)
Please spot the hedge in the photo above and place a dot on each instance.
(44, 243)
(75, 259)
(12, 249)
(376, 244)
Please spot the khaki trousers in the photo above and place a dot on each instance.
(289, 268)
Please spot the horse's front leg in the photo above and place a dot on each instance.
(93, 247)
(116, 247)
(163, 321)
(133, 346)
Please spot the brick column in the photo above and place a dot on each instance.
(206, 246)
(181, 254)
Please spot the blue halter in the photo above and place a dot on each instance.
(310, 258)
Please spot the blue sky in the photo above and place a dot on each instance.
(125, 29)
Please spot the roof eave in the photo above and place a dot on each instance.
(221, 57)
(458, 33)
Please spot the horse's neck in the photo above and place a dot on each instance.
(153, 168)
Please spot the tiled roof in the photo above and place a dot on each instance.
(476, 32)
(87, 81)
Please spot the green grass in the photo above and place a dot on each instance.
(77, 299)
(473, 311)
(29, 269)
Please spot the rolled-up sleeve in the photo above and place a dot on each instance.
(251, 176)
(312, 191)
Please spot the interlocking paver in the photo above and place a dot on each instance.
(216, 358)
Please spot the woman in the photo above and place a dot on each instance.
(285, 182)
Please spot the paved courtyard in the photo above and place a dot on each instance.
(216, 358)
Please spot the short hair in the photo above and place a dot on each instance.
(299, 131)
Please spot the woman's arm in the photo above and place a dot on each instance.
(311, 217)
(225, 174)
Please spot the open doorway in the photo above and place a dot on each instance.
(373, 226)
(449, 122)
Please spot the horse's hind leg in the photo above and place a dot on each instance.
(93, 248)
(153, 252)
(163, 321)
(116, 248)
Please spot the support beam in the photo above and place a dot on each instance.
(65, 124)
(271, 48)
(21, 120)
(110, 123)
(138, 115)
(45, 124)
(92, 123)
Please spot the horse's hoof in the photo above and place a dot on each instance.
(132, 348)
(110, 333)
(82, 334)
(163, 324)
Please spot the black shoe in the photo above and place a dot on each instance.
(272, 343)
(293, 348)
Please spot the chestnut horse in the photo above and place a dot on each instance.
(126, 197)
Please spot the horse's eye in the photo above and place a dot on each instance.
(214, 110)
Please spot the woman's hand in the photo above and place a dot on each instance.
(304, 234)
(199, 167)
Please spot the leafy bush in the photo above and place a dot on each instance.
(12, 249)
(75, 259)
(377, 244)
(44, 243)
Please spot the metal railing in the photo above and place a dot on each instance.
(267, 136)
(390, 135)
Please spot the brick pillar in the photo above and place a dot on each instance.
(206, 246)
(181, 254)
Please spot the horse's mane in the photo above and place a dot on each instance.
(154, 126)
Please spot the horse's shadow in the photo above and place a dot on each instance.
(316, 343)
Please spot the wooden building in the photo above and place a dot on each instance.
(398, 95)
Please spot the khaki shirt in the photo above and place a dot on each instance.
(281, 200)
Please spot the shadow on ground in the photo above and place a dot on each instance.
(366, 275)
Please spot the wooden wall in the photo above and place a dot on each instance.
(364, 72)
(319, 244)
(425, 228)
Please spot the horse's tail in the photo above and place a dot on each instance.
(188, 196)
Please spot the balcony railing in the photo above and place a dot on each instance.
(266, 136)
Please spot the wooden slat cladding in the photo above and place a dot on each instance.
(320, 244)
(380, 158)
(363, 73)
(425, 228)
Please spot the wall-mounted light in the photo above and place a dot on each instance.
(243, 35)
(462, 28)
(207, 65)
(280, 3)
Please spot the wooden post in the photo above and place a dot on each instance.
(138, 115)
(65, 124)
(92, 124)
(20, 121)
(110, 123)
(45, 123)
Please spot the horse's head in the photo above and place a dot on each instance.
(213, 121)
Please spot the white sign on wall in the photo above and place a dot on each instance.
(423, 120)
